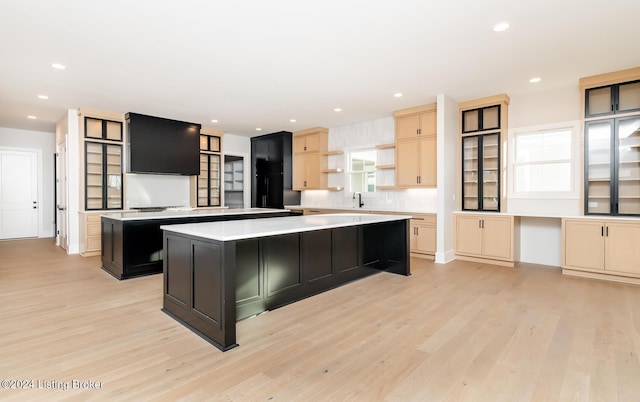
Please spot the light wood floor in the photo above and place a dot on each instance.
(460, 332)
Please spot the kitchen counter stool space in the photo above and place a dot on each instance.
(220, 272)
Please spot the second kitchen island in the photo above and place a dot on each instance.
(220, 272)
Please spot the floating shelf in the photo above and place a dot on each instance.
(385, 146)
(390, 187)
(335, 188)
(336, 170)
(379, 167)
(330, 153)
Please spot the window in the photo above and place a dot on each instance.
(362, 171)
(543, 164)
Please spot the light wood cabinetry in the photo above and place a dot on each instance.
(604, 249)
(487, 238)
(612, 143)
(416, 147)
(422, 235)
(310, 159)
(92, 237)
(484, 123)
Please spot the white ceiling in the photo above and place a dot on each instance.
(260, 63)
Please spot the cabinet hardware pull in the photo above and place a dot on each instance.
(607, 232)
(479, 223)
(417, 231)
(602, 231)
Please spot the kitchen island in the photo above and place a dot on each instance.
(132, 241)
(220, 272)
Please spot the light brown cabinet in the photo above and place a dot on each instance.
(607, 249)
(416, 147)
(310, 159)
(422, 232)
(92, 234)
(487, 237)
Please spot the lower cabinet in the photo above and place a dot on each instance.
(92, 237)
(422, 235)
(488, 238)
(601, 248)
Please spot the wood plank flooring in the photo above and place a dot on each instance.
(457, 332)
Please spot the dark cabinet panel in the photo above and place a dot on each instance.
(345, 249)
(178, 270)
(207, 295)
(282, 263)
(249, 278)
(316, 255)
(272, 171)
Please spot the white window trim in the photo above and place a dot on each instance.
(347, 172)
(576, 162)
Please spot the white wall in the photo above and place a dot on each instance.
(44, 143)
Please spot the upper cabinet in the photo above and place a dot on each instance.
(310, 159)
(101, 137)
(612, 143)
(208, 180)
(484, 124)
(612, 99)
(416, 146)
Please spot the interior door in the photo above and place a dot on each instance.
(61, 196)
(18, 194)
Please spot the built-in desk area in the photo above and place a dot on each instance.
(220, 272)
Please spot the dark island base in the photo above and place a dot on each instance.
(209, 284)
(133, 248)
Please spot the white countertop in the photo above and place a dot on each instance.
(132, 216)
(253, 228)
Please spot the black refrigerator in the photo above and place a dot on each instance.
(272, 171)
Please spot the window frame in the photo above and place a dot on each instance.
(349, 171)
(574, 160)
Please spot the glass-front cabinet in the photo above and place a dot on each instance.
(612, 166)
(103, 176)
(208, 187)
(481, 172)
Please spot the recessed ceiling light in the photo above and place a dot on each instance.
(337, 109)
(32, 117)
(43, 97)
(258, 129)
(398, 95)
(214, 121)
(535, 79)
(292, 120)
(58, 66)
(503, 26)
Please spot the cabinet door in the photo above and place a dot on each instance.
(490, 170)
(407, 163)
(470, 173)
(428, 123)
(598, 166)
(425, 239)
(628, 166)
(299, 144)
(113, 182)
(621, 247)
(306, 143)
(468, 235)
(94, 175)
(407, 127)
(299, 167)
(584, 244)
(497, 237)
(428, 162)
(312, 171)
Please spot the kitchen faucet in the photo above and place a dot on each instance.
(360, 203)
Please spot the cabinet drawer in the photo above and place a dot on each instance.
(92, 218)
(429, 219)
